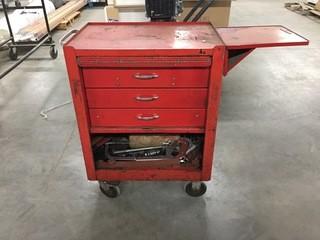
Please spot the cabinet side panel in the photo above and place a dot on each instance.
(80, 106)
(212, 111)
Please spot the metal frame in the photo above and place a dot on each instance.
(205, 5)
(5, 42)
(46, 40)
(17, 3)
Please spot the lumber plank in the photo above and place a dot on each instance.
(315, 12)
(68, 20)
(38, 28)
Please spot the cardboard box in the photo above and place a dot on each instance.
(129, 3)
(126, 3)
(218, 14)
(125, 14)
(317, 7)
(111, 13)
(120, 10)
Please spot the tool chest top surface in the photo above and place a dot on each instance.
(145, 36)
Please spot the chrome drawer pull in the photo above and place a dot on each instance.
(146, 76)
(147, 118)
(147, 99)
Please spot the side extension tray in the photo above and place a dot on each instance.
(241, 41)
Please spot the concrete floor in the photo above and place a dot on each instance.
(267, 159)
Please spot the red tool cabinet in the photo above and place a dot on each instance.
(156, 78)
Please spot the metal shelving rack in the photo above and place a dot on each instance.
(17, 3)
(14, 45)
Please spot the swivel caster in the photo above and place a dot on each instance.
(110, 189)
(195, 189)
(13, 53)
(53, 52)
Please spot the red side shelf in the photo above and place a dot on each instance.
(259, 36)
(241, 41)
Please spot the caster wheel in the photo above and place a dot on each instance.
(53, 52)
(114, 183)
(13, 54)
(111, 191)
(196, 189)
(18, 3)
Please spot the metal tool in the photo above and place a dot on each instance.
(178, 150)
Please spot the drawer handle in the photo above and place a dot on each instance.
(146, 76)
(147, 99)
(147, 118)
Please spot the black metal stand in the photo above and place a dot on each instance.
(14, 45)
(5, 42)
(205, 5)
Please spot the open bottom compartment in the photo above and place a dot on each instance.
(152, 151)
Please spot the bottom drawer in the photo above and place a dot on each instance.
(147, 117)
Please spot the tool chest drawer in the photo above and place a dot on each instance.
(147, 98)
(147, 117)
(146, 77)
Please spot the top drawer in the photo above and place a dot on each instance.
(144, 78)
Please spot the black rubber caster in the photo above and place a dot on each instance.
(53, 52)
(109, 189)
(13, 53)
(195, 189)
(113, 183)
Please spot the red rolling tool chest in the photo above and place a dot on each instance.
(146, 96)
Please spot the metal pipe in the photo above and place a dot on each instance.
(30, 45)
(193, 10)
(4, 42)
(138, 150)
(24, 57)
(202, 11)
(46, 18)
(24, 7)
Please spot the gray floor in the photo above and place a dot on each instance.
(267, 159)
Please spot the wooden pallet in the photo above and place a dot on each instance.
(294, 6)
(315, 12)
(304, 8)
(63, 25)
